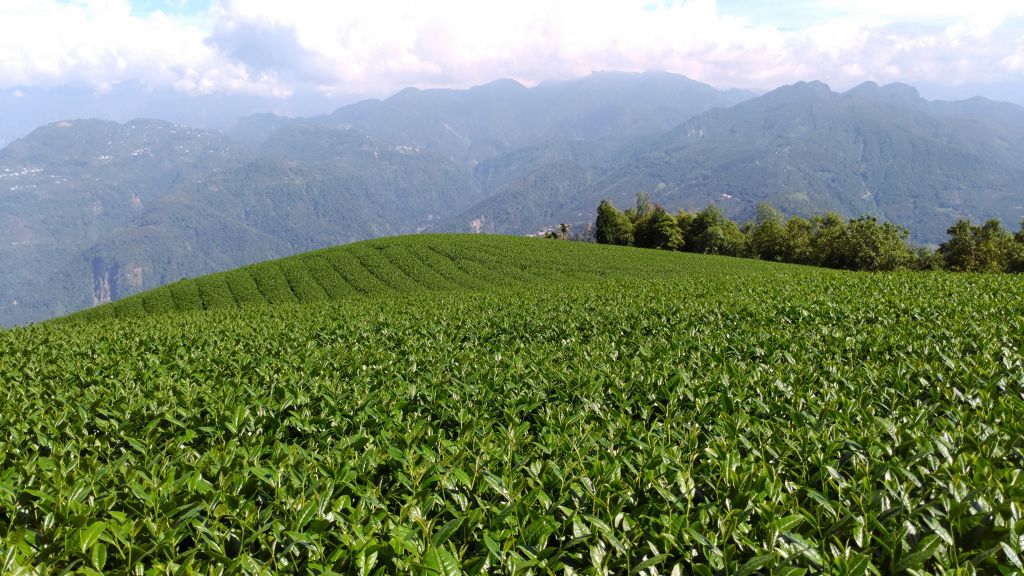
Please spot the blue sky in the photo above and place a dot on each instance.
(786, 15)
(180, 7)
(279, 48)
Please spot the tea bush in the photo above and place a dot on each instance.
(475, 404)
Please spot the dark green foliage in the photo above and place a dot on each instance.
(927, 259)
(959, 251)
(875, 247)
(1015, 257)
(625, 411)
(711, 232)
(993, 247)
(985, 248)
(799, 241)
(654, 228)
(828, 241)
(684, 221)
(664, 232)
(861, 244)
(768, 236)
(612, 226)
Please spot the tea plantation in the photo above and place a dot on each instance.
(449, 404)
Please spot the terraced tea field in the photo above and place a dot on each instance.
(440, 404)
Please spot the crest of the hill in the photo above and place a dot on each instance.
(408, 266)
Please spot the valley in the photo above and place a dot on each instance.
(95, 211)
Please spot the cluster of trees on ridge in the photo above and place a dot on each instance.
(826, 240)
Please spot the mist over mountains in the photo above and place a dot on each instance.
(26, 108)
(95, 210)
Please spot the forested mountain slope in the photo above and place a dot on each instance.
(94, 211)
(874, 150)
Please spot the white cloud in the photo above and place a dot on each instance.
(1015, 61)
(99, 42)
(274, 47)
(393, 42)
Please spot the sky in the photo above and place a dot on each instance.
(279, 48)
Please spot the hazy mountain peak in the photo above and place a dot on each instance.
(901, 90)
(405, 93)
(504, 84)
(812, 86)
(896, 92)
(800, 90)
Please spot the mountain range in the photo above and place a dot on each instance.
(91, 211)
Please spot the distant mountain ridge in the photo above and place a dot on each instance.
(873, 150)
(92, 211)
(70, 184)
(503, 116)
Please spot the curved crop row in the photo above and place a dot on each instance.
(401, 266)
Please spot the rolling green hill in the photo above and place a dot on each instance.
(453, 404)
(93, 211)
(401, 267)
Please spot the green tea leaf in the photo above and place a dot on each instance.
(89, 535)
(924, 550)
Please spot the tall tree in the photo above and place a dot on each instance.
(712, 233)
(958, 250)
(1016, 263)
(640, 216)
(994, 247)
(768, 234)
(662, 231)
(643, 208)
(612, 226)
(985, 248)
(828, 241)
(798, 234)
(876, 247)
(684, 220)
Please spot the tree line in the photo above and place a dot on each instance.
(825, 240)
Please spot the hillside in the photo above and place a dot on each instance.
(72, 184)
(407, 266)
(94, 211)
(882, 151)
(469, 404)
